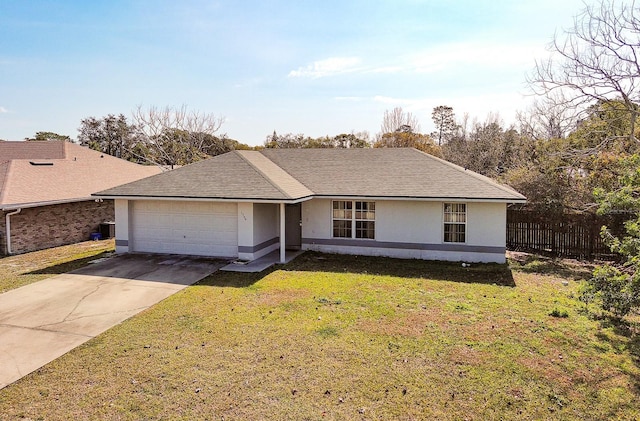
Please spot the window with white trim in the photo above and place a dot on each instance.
(455, 222)
(348, 223)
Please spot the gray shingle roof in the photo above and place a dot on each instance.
(234, 175)
(278, 177)
(289, 174)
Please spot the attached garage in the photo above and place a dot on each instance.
(194, 228)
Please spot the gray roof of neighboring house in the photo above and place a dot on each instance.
(293, 174)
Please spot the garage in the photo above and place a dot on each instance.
(193, 228)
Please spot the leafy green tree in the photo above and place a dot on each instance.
(164, 137)
(112, 135)
(352, 140)
(285, 141)
(606, 126)
(487, 148)
(44, 136)
(551, 182)
(406, 138)
(290, 140)
(617, 286)
(561, 174)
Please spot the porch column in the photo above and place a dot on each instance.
(282, 233)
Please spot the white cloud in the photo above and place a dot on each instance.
(328, 67)
(442, 58)
(3, 110)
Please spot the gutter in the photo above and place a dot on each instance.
(315, 196)
(8, 227)
(25, 205)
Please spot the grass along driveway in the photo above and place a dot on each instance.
(336, 337)
(23, 269)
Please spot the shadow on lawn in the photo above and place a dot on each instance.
(406, 268)
(68, 266)
(235, 279)
(541, 265)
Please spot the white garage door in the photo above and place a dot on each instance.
(195, 228)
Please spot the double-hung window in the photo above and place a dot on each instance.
(455, 222)
(354, 219)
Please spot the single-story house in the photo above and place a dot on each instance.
(381, 202)
(45, 192)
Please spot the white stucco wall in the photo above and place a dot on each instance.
(408, 221)
(266, 227)
(266, 222)
(245, 231)
(316, 218)
(487, 224)
(412, 229)
(122, 225)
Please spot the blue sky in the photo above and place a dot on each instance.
(313, 67)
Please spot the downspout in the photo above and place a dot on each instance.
(8, 227)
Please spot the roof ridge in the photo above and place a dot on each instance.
(471, 173)
(290, 175)
(262, 174)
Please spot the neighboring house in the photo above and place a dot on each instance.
(45, 192)
(381, 202)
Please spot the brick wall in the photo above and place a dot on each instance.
(55, 225)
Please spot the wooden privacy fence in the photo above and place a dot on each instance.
(561, 235)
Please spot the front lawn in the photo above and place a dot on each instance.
(336, 337)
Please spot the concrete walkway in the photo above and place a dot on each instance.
(44, 320)
(262, 263)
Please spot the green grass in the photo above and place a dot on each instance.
(23, 269)
(337, 337)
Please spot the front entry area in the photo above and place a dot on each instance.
(293, 226)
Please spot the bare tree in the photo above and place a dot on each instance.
(394, 120)
(548, 118)
(596, 61)
(177, 136)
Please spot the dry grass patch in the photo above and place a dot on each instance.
(336, 337)
(23, 269)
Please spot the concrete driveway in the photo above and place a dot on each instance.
(44, 320)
